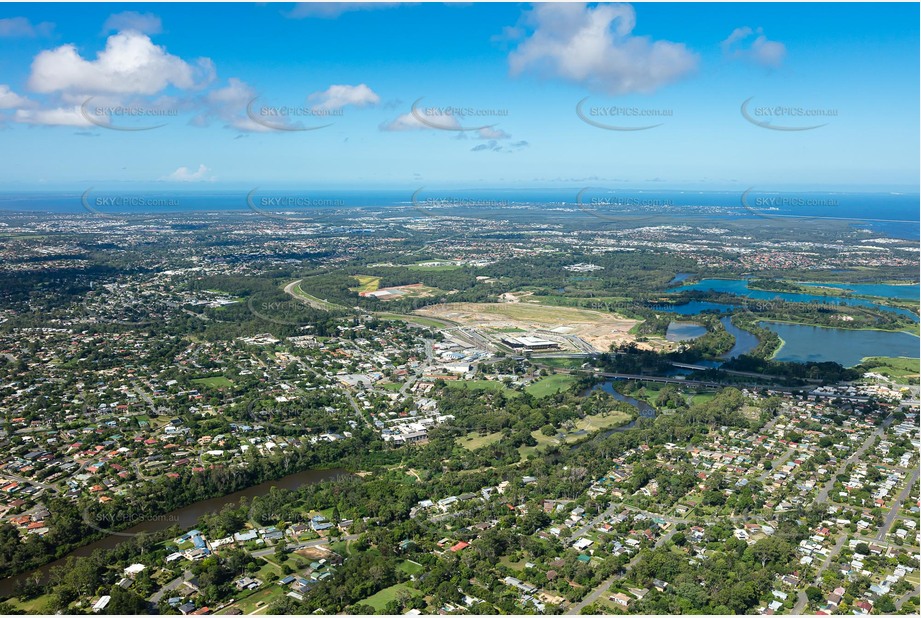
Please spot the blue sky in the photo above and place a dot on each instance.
(361, 68)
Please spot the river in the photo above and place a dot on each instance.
(185, 517)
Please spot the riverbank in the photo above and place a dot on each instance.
(184, 517)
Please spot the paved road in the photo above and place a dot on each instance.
(801, 598)
(159, 594)
(911, 593)
(22, 479)
(894, 511)
(355, 407)
(601, 588)
(594, 522)
(822, 496)
(777, 463)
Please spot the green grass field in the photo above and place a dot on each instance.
(474, 440)
(482, 385)
(411, 568)
(893, 367)
(550, 385)
(215, 382)
(268, 594)
(583, 428)
(380, 599)
(559, 363)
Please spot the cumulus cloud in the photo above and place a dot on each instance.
(411, 122)
(595, 47)
(148, 23)
(58, 116)
(747, 44)
(492, 133)
(331, 10)
(338, 96)
(11, 100)
(129, 64)
(228, 105)
(183, 174)
(21, 27)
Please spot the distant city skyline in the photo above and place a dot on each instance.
(355, 96)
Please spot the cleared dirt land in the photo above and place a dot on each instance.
(596, 327)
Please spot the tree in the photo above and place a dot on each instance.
(814, 594)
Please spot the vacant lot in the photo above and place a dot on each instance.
(598, 328)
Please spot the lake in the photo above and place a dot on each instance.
(739, 287)
(848, 347)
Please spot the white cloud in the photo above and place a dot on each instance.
(411, 122)
(129, 64)
(761, 50)
(492, 133)
(59, 116)
(10, 100)
(228, 105)
(338, 96)
(330, 10)
(594, 47)
(183, 174)
(148, 23)
(13, 27)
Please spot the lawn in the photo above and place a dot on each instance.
(893, 367)
(551, 385)
(411, 568)
(560, 363)
(215, 382)
(482, 385)
(380, 599)
(583, 428)
(391, 386)
(266, 595)
(32, 606)
(474, 440)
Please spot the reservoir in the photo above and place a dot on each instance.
(185, 517)
(848, 347)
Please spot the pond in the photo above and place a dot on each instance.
(684, 331)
